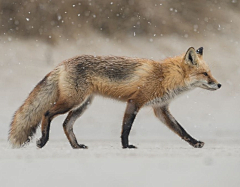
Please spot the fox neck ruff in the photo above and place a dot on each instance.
(167, 97)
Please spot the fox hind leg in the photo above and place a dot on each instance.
(59, 108)
(69, 122)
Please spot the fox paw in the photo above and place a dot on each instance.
(80, 146)
(130, 147)
(40, 143)
(199, 144)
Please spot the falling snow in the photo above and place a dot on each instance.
(35, 39)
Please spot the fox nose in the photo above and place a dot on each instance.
(219, 85)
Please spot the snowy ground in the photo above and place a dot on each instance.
(155, 163)
(162, 158)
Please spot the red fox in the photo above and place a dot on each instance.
(71, 86)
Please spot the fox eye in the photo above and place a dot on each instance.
(205, 73)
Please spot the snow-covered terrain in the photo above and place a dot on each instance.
(162, 158)
(163, 162)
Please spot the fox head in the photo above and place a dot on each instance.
(197, 72)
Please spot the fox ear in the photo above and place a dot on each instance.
(200, 51)
(190, 57)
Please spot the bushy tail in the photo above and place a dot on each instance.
(27, 118)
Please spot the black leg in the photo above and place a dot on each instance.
(45, 130)
(47, 118)
(129, 116)
(165, 116)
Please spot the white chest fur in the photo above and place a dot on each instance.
(167, 97)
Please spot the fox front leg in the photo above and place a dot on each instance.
(129, 116)
(166, 117)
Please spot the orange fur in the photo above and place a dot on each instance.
(72, 84)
